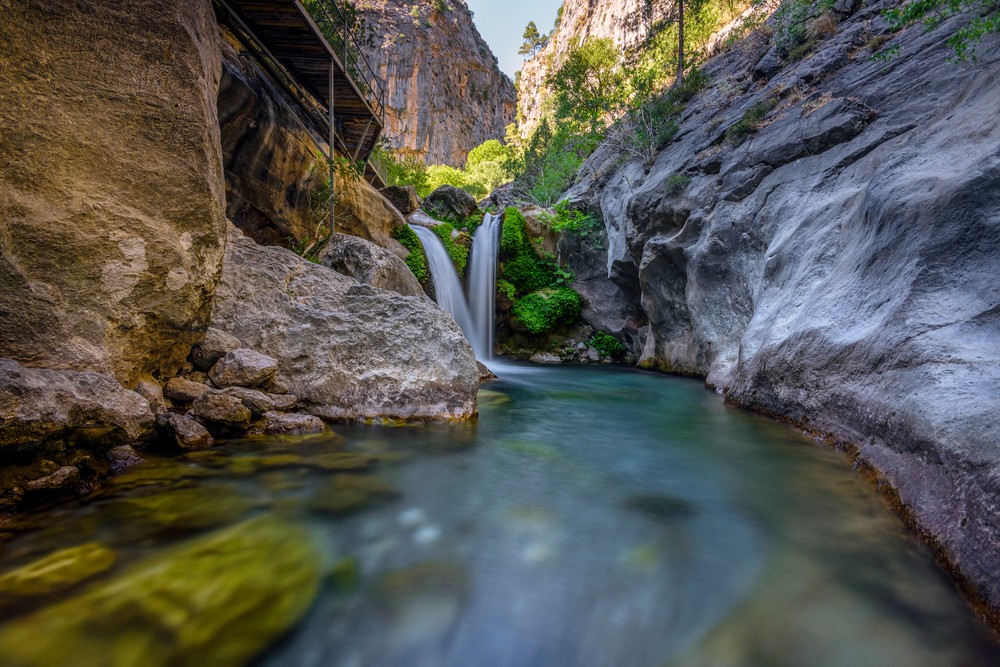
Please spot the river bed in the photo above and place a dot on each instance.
(591, 517)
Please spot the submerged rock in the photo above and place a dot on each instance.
(56, 572)
(347, 351)
(124, 457)
(179, 509)
(351, 493)
(219, 601)
(450, 203)
(243, 367)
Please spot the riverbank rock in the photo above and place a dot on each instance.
(369, 264)
(111, 193)
(403, 197)
(213, 347)
(222, 410)
(183, 390)
(38, 405)
(835, 263)
(219, 600)
(347, 351)
(450, 203)
(186, 433)
(243, 368)
(283, 423)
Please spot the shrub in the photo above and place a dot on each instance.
(506, 290)
(607, 345)
(527, 273)
(675, 183)
(751, 121)
(568, 220)
(416, 259)
(549, 309)
(512, 232)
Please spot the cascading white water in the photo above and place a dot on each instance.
(482, 284)
(447, 287)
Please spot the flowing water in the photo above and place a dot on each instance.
(590, 518)
(482, 283)
(447, 287)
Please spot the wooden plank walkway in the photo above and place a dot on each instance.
(293, 44)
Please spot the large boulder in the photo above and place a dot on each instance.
(450, 203)
(219, 600)
(38, 405)
(111, 195)
(369, 264)
(348, 351)
(403, 197)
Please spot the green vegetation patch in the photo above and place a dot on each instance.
(549, 309)
(751, 121)
(607, 345)
(457, 251)
(521, 266)
(416, 259)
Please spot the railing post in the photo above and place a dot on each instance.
(333, 154)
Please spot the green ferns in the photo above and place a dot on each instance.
(541, 303)
(607, 345)
(416, 259)
(548, 309)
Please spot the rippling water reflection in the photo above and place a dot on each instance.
(591, 518)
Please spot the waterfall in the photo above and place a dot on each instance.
(477, 322)
(447, 286)
(483, 281)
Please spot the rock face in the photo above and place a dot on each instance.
(445, 93)
(450, 203)
(347, 351)
(626, 22)
(403, 197)
(275, 170)
(838, 266)
(369, 264)
(111, 194)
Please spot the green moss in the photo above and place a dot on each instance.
(457, 251)
(751, 121)
(607, 345)
(506, 290)
(521, 266)
(512, 237)
(549, 309)
(416, 259)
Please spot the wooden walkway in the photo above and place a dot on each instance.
(306, 52)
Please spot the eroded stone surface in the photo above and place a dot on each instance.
(243, 367)
(369, 264)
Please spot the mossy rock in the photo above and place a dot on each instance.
(342, 461)
(352, 493)
(219, 601)
(56, 572)
(183, 509)
(251, 465)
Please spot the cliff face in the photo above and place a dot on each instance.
(445, 93)
(111, 195)
(626, 22)
(834, 263)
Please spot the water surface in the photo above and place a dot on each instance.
(591, 518)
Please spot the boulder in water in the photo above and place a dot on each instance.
(220, 600)
(56, 572)
(450, 203)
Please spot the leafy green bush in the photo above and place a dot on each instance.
(566, 219)
(549, 309)
(458, 252)
(527, 273)
(511, 232)
(506, 290)
(607, 345)
(416, 259)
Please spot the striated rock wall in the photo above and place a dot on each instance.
(838, 266)
(626, 22)
(111, 193)
(445, 92)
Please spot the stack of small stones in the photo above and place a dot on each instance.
(225, 390)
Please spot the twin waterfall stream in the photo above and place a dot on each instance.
(475, 314)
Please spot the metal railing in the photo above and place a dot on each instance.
(332, 20)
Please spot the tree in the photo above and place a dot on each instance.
(589, 86)
(533, 41)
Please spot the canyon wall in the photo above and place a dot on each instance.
(821, 241)
(445, 92)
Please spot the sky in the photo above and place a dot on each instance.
(501, 23)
